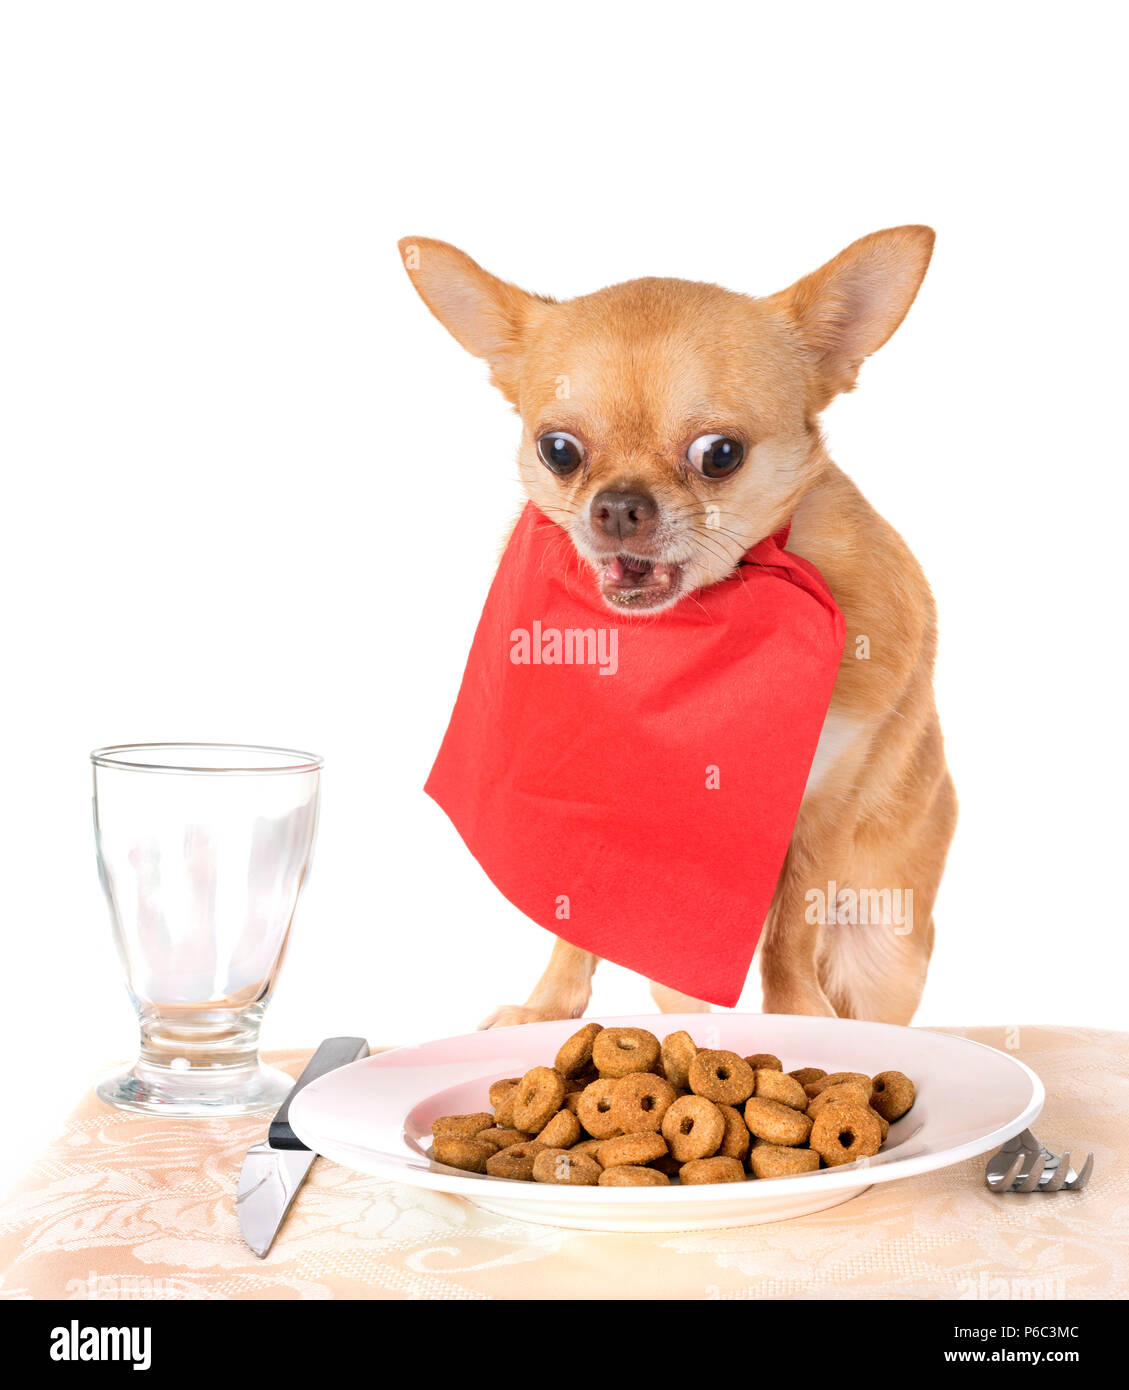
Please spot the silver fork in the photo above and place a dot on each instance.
(1026, 1165)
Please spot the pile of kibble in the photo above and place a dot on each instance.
(620, 1109)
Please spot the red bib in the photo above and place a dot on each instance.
(631, 782)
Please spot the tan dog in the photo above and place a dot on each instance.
(668, 426)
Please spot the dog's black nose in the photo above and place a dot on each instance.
(622, 514)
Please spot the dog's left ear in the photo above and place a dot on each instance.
(849, 307)
(486, 315)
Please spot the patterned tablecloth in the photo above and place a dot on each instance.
(123, 1206)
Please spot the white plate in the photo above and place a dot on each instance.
(375, 1116)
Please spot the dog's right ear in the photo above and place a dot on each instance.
(486, 315)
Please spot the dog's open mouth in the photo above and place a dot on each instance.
(630, 581)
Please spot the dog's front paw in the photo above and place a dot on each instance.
(511, 1014)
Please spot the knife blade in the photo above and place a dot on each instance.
(274, 1170)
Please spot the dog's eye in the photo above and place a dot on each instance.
(715, 456)
(560, 453)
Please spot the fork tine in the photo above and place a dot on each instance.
(1083, 1177)
(1031, 1182)
(1058, 1175)
(1007, 1178)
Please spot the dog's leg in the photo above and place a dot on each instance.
(563, 991)
(788, 948)
(673, 1001)
(872, 965)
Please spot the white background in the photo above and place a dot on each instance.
(252, 491)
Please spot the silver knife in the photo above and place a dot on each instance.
(274, 1170)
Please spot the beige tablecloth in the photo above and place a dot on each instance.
(123, 1206)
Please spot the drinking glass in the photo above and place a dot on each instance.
(202, 852)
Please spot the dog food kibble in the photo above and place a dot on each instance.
(504, 1110)
(703, 1170)
(627, 1149)
(633, 1176)
(465, 1125)
(722, 1077)
(772, 1161)
(640, 1101)
(735, 1142)
(565, 1168)
(620, 1051)
(562, 1131)
(836, 1095)
(777, 1085)
(813, 1088)
(575, 1055)
(693, 1127)
(499, 1090)
(678, 1051)
(619, 1109)
(540, 1094)
(776, 1123)
(845, 1133)
(594, 1110)
(766, 1060)
(588, 1146)
(514, 1162)
(891, 1094)
(502, 1138)
(457, 1151)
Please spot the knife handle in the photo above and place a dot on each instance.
(333, 1053)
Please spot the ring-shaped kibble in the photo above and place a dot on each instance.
(503, 1138)
(736, 1142)
(594, 1109)
(466, 1126)
(844, 1091)
(566, 1169)
(459, 1151)
(845, 1133)
(641, 1101)
(703, 1170)
(722, 1077)
(504, 1112)
(883, 1123)
(537, 1099)
(630, 1148)
(677, 1052)
(631, 1175)
(813, 1088)
(768, 1060)
(778, 1085)
(806, 1075)
(562, 1131)
(618, 1052)
(773, 1161)
(588, 1146)
(892, 1094)
(693, 1127)
(575, 1053)
(499, 1090)
(515, 1162)
(776, 1123)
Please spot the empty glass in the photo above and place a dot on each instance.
(202, 851)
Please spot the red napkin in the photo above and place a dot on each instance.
(631, 782)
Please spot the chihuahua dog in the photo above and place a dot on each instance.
(667, 427)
